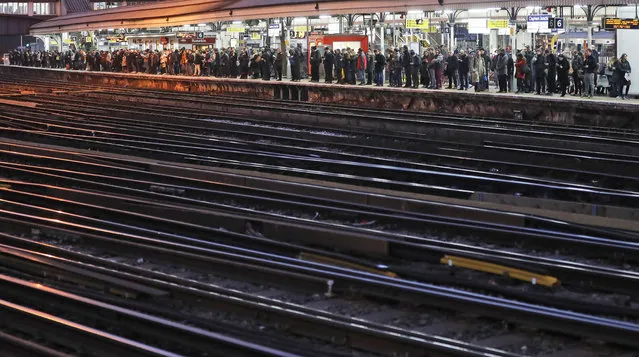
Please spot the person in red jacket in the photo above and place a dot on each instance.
(520, 72)
(362, 64)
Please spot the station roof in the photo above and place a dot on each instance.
(180, 12)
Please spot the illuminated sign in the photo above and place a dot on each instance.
(192, 40)
(236, 29)
(417, 24)
(497, 24)
(616, 23)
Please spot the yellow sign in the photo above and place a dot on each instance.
(300, 28)
(236, 29)
(497, 24)
(255, 36)
(417, 24)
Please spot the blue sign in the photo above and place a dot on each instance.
(539, 18)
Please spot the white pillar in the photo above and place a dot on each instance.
(451, 37)
(382, 31)
(589, 34)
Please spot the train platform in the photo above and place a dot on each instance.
(597, 111)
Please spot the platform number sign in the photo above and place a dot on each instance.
(200, 35)
(556, 23)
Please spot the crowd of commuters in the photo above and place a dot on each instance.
(540, 71)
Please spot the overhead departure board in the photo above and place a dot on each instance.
(616, 23)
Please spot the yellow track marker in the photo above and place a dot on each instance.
(344, 264)
(534, 278)
(4, 186)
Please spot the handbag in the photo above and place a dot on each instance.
(626, 76)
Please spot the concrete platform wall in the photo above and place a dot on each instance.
(543, 109)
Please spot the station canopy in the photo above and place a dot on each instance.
(181, 12)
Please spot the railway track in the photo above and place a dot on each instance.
(387, 276)
(154, 225)
(597, 188)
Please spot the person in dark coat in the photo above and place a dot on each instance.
(316, 60)
(464, 68)
(338, 59)
(452, 65)
(540, 65)
(232, 63)
(329, 59)
(295, 62)
(380, 63)
(415, 64)
(425, 80)
(370, 67)
(265, 64)
(277, 64)
(552, 72)
(405, 60)
(563, 67)
(244, 64)
(511, 72)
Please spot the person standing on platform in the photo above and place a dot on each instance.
(478, 70)
(405, 60)
(520, 73)
(578, 72)
(511, 72)
(464, 68)
(244, 61)
(265, 64)
(198, 64)
(277, 64)
(501, 69)
(329, 59)
(552, 72)
(392, 65)
(339, 66)
(563, 67)
(380, 63)
(452, 65)
(349, 70)
(295, 65)
(540, 72)
(316, 60)
(370, 67)
(423, 69)
(232, 63)
(590, 68)
(415, 64)
(530, 75)
(362, 65)
(622, 74)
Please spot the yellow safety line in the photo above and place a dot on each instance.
(344, 264)
(4, 186)
(533, 278)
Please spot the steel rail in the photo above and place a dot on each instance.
(299, 319)
(424, 180)
(168, 139)
(456, 300)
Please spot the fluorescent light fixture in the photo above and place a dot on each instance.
(533, 7)
(325, 17)
(448, 11)
(201, 25)
(493, 9)
(415, 12)
(237, 22)
(299, 19)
